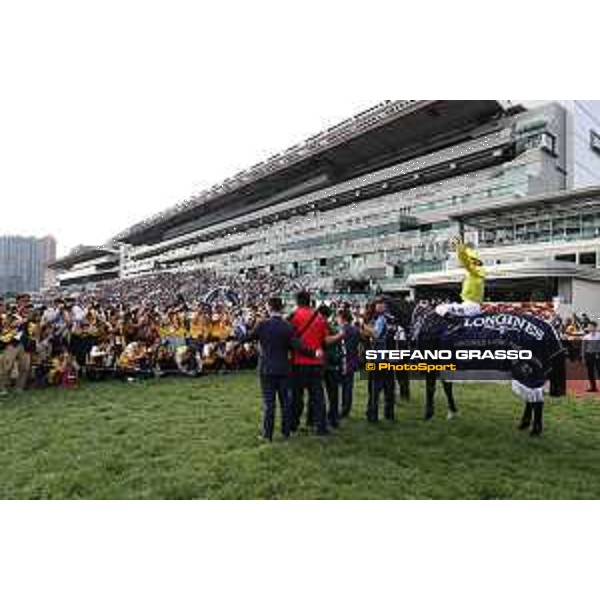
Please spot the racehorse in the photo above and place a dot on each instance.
(403, 313)
(500, 331)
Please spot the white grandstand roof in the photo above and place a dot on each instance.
(348, 129)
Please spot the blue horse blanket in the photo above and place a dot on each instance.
(494, 331)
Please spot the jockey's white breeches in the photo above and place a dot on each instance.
(461, 309)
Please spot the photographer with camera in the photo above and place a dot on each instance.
(16, 344)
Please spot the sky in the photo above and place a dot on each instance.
(125, 114)
(113, 111)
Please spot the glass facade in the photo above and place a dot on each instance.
(552, 228)
(378, 226)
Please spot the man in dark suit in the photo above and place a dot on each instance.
(277, 338)
(349, 358)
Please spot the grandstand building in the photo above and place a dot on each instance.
(87, 265)
(373, 202)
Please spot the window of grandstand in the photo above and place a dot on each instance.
(588, 259)
(566, 257)
(533, 141)
(595, 141)
(548, 143)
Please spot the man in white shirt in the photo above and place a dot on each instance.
(78, 314)
(591, 354)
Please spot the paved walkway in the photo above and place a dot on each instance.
(577, 382)
(578, 388)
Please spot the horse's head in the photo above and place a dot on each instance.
(420, 315)
(401, 310)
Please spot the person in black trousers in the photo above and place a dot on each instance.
(591, 354)
(277, 338)
(349, 359)
(402, 377)
(307, 373)
(381, 330)
(331, 375)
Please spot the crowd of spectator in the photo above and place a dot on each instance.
(188, 323)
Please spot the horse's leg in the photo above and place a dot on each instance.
(404, 385)
(430, 382)
(449, 391)
(527, 415)
(538, 419)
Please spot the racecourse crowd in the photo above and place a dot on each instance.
(201, 322)
(167, 323)
(130, 329)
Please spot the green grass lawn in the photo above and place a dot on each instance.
(183, 438)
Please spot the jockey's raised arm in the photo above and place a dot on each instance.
(473, 286)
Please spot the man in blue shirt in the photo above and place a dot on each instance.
(381, 332)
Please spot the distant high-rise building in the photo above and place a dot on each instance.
(23, 263)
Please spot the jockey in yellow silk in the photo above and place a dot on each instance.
(473, 287)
